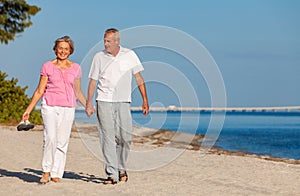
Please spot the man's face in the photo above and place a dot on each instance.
(111, 44)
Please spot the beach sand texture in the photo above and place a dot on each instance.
(190, 173)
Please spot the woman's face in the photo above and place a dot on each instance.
(62, 50)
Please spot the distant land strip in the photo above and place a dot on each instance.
(217, 109)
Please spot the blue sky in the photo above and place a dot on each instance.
(255, 43)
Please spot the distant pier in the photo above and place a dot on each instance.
(223, 109)
(214, 109)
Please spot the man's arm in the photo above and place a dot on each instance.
(142, 87)
(89, 109)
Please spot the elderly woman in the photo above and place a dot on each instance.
(59, 88)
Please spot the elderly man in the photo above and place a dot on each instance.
(113, 68)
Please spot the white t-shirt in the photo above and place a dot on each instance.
(115, 74)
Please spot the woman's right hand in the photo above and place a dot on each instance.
(25, 116)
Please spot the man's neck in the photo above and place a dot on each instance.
(115, 52)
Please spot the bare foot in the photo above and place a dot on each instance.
(45, 178)
(55, 180)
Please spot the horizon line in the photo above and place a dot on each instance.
(233, 109)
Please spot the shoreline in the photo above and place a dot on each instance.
(165, 138)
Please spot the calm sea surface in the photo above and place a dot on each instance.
(265, 133)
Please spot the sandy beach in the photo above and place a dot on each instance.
(189, 171)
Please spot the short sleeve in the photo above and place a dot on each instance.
(45, 70)
(79, 72)
(95, 67)
(138, 65)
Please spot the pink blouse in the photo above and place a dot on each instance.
(60, 90)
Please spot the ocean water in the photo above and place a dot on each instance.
(276, 134)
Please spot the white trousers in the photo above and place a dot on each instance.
(58, 123)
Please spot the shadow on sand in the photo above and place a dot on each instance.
(33, 176)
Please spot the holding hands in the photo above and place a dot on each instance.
(89, 110)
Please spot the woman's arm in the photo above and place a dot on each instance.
(79, 93)
(38, 93)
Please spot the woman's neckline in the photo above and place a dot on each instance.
(61, 66)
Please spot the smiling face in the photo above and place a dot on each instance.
(63, 50)
(111, 43)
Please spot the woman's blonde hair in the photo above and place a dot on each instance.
(65, 39)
